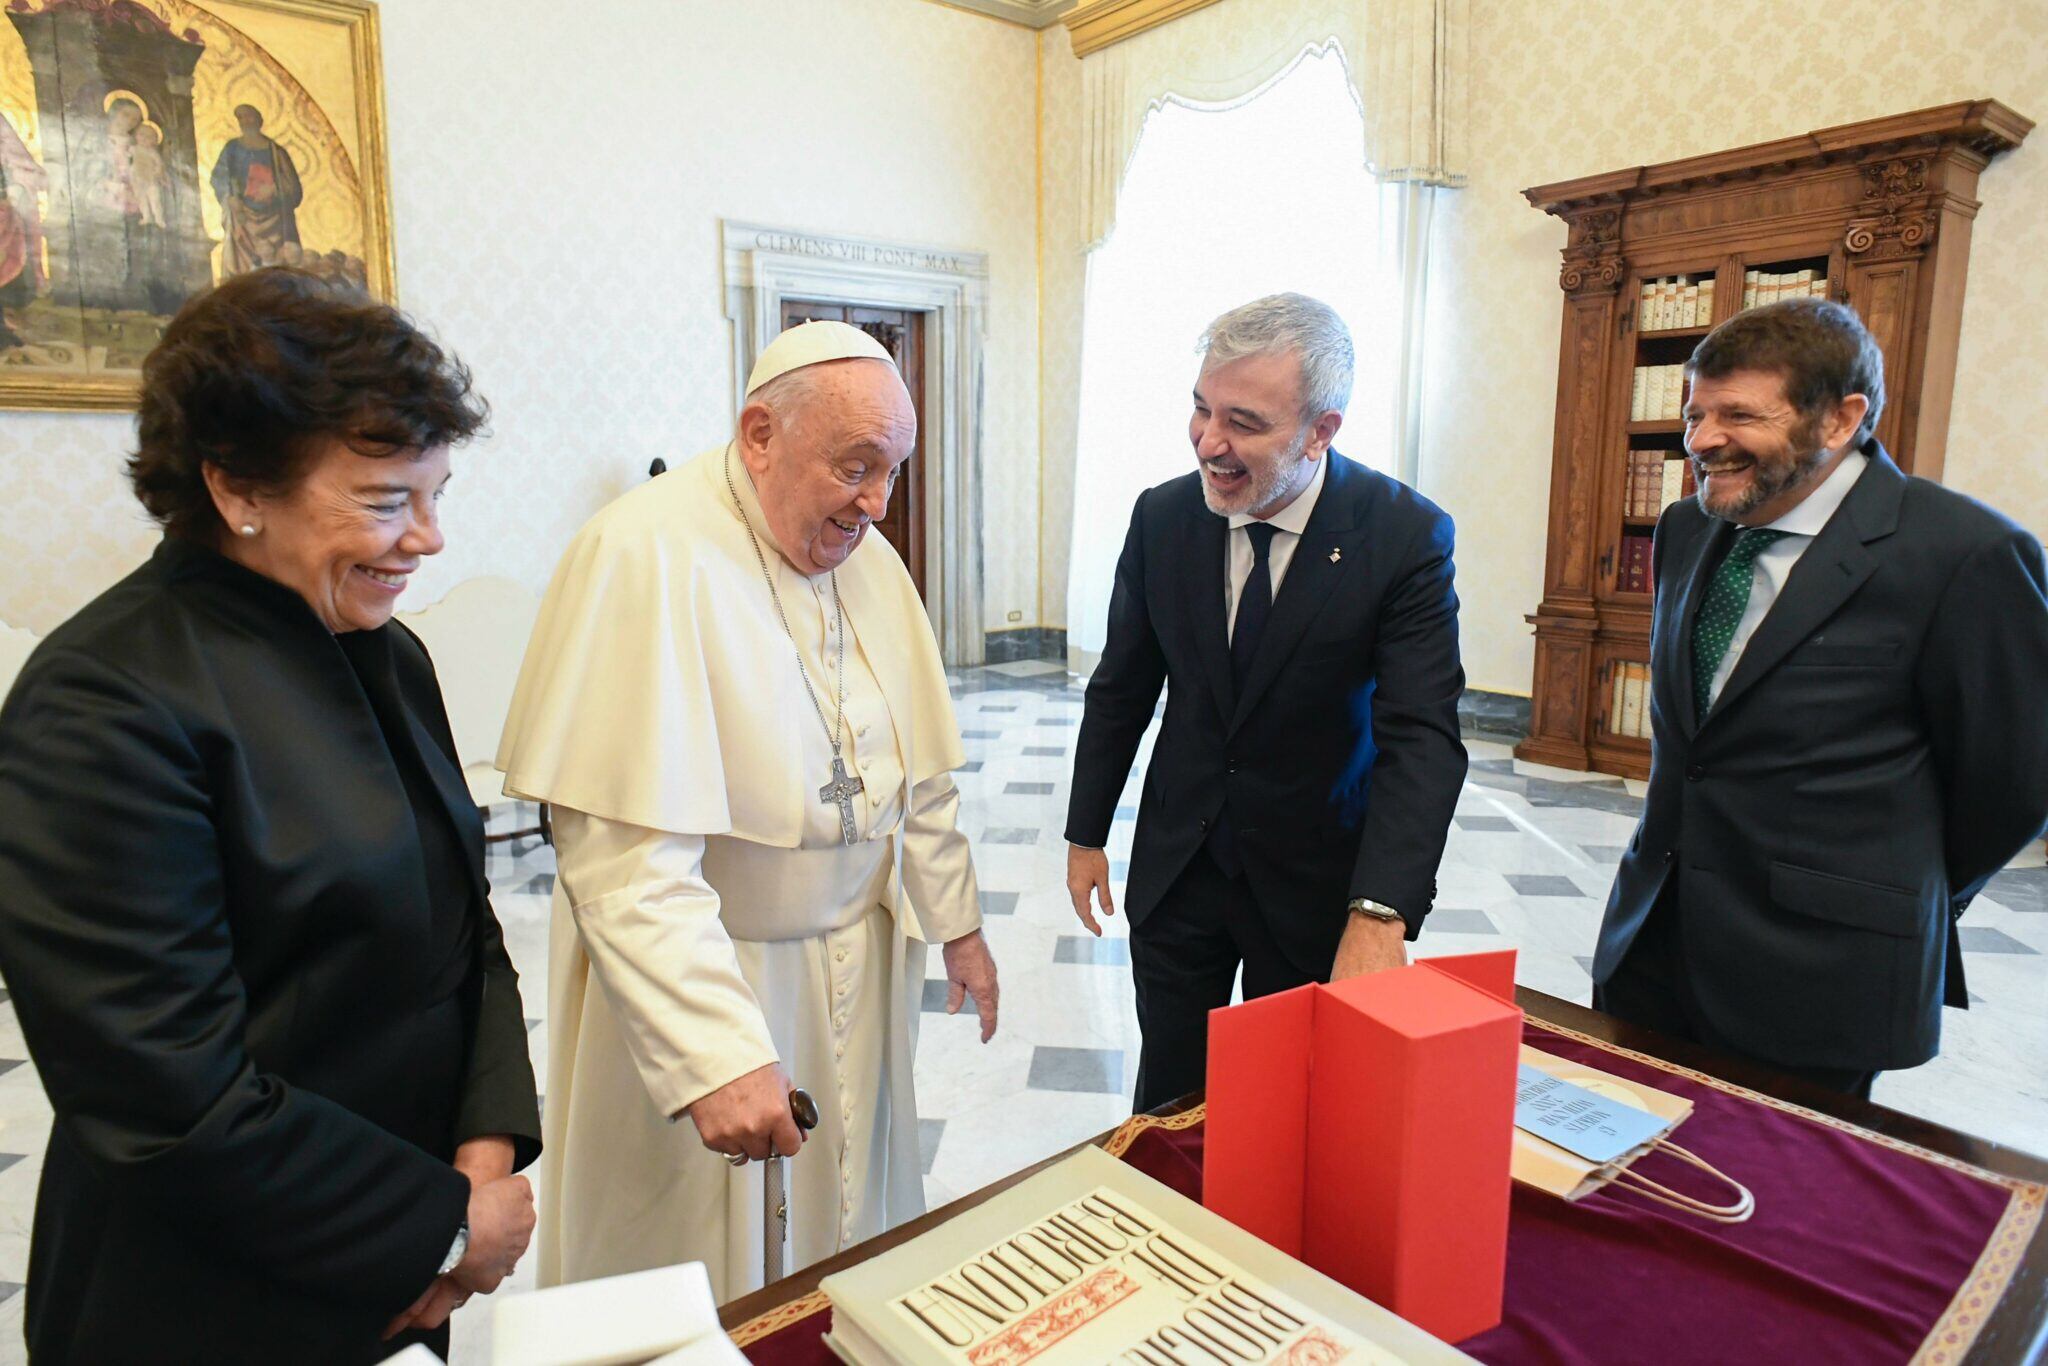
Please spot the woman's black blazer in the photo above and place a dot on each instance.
(213, 910)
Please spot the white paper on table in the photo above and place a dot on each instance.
(608, 1322)
(416, 1355)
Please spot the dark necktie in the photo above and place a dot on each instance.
(1254, 604)
(1721, 610)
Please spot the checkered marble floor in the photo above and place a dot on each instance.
(1531, 855)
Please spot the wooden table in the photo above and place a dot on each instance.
(2016, 1333)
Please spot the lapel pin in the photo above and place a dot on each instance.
(1336, 555)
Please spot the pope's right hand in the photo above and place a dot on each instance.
(1088, 874)
(750, 1114)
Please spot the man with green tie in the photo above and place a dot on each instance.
(1847, 737)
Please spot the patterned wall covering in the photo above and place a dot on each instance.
(1061, 296)
(559, 174)
(1562, 90)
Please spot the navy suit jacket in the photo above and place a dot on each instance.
(1340, 761)
(1878, 752)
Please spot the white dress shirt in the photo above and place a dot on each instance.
(1774, 565)
(1237, 549)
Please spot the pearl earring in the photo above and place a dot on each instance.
(248, 529)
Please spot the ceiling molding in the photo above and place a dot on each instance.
(1029, 13)
(1097, 24)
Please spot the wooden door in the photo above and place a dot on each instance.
(903, 333)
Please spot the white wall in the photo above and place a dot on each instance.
(558, 178)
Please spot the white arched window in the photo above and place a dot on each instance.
(1218, 207)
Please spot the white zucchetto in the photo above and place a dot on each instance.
(814, 343)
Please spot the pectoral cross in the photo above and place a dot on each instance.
(842, 790)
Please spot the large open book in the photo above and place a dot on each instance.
(1093, 1261)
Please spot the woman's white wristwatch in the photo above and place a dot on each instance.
(456, 1250)
(1373, 910)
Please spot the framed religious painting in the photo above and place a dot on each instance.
(151, 148)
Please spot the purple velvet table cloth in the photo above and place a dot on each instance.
(1862, 1249)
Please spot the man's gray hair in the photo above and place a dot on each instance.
(1289, 322)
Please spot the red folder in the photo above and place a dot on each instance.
(1366, 1128)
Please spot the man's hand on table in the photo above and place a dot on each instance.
(971, 971)
(750, 1115)
(1370, 946)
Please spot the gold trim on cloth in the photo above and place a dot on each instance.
(1119, 1143)
(1954, 1332)
(780, 1317)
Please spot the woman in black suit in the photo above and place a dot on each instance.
(242, 906)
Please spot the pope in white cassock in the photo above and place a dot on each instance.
(734, 705)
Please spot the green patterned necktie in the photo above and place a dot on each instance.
(1721, 611)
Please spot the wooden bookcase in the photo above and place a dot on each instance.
(1879, 211)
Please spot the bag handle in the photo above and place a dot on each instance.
(1642, 1185)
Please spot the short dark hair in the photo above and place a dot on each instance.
(253, 373)
(1820, 348)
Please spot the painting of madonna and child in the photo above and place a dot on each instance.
(151, 148)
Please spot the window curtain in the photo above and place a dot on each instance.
(1406, 59)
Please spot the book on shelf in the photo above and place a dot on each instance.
(1639, 393)
(1093, 1261)
(1673, 303)
(1631, 699)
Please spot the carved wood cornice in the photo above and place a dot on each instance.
(1592, 255)
(1982, 128)
(1097, 24)
(1904, 217)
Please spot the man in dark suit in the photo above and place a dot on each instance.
(1848, 738)
(1305, 774)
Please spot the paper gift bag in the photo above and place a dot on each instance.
(1549, 1167)
(1366, 1129)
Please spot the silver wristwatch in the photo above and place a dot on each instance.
(1373, 910)
(456, 1250)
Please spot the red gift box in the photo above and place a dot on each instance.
(1366, 1128)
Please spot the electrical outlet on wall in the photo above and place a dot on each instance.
(1016, 616)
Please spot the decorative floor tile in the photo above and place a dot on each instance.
(532, 1023)
(971, 766)
(1086, 948)
(1119, 868)
(1127, 813)
(981, 735)
(1605, 853)
(8, 1065)
(1096, 1070)
(1584, 962)
(929, 1132)
(541, 884)
(1045, 751)
(999, 903)
(1486, 823)
(1984, 939)
(991, 708)
(1009, 836)
(1458, 920)
(5, 998)
(1057, 721)
(1028, 789)
(936, 990)
(1542, 884)
(9, 1159)
(2020, 889)
(7, 1289)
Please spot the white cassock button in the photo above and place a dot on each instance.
(841, 955)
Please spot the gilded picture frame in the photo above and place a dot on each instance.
(150, 148)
